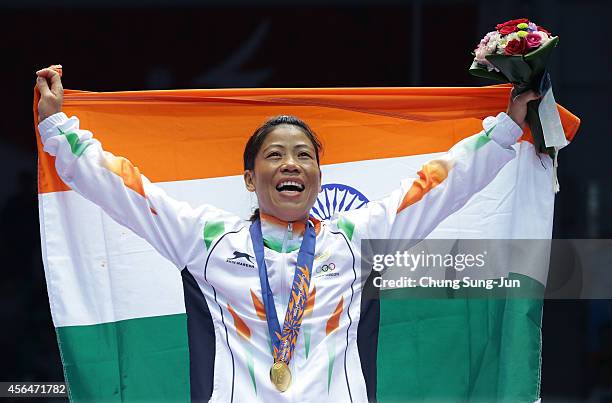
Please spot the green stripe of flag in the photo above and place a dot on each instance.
(144, 359)
(476, 350)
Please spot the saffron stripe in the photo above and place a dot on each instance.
(334, 320)
(431, 175)
(127, 172)
(259, 307)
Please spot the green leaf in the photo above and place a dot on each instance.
(514, 68)
(482, 72)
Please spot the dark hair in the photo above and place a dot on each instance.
(259, 135)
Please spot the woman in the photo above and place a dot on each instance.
(284, 329)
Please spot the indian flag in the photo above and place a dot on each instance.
(118, 306)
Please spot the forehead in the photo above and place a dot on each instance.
(287, 136)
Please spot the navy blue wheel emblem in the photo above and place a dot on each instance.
(336, 197)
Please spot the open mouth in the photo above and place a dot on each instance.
(290, 186)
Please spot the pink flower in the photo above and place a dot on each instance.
(533, 40)
(480, 54)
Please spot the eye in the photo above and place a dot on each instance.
(273, 154)
(305, 154)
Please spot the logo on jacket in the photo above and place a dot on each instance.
(241, 255)
(327, 270)
(335, 197)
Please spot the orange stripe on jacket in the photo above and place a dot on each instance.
(260, 310)
(129, 173)
(310, 302)
(431, 175)
(334, 321)
(241, 326)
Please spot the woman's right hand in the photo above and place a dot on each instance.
(49, 83)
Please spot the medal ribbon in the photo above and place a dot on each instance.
(284, 341)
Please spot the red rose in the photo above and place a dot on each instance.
(508, 29)
(512, 23)
(516, 47)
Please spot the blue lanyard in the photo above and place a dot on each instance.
(305, 260)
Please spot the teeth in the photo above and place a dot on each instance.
(290, 183)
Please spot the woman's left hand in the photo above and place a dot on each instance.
(517, 107)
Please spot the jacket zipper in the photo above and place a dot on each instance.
(288, 236)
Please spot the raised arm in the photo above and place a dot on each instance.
(443, 185)
(173, 228)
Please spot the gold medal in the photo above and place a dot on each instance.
(280, 375)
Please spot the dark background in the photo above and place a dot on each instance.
(122, 45)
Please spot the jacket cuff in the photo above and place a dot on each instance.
(46, 127)
(505, 130)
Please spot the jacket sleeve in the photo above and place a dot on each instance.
(445, 184)
(173, 228)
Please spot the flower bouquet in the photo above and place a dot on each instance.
(517, 52)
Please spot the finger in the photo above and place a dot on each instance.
(56, 83)
(532, 95)
(46, 72)
(525, 97)
(528, 96)
(54, 78)
(43, 86)
(50, 75)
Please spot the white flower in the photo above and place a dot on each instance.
(493, 41)
(511, 36)
(501, 46)
(544, 36)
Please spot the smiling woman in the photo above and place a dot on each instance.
(314, 354)
(281, 163)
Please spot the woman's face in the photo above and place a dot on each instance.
(286, 176)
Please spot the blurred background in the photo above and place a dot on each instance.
(112, 45)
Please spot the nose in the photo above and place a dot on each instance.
(290, 165)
